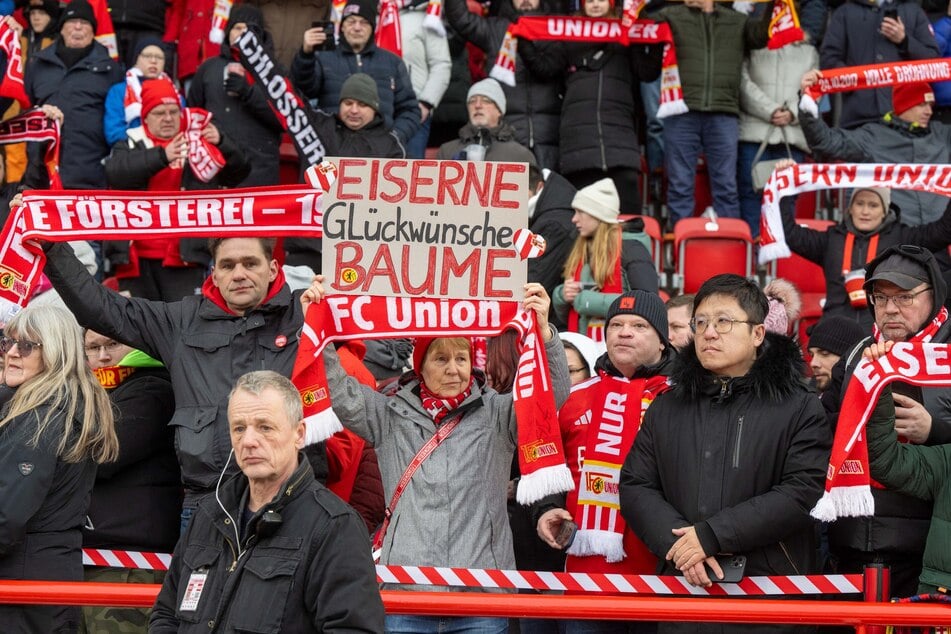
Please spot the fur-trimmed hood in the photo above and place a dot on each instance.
(777, 373)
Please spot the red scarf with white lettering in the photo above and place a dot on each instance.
(219, 20)
(58, 216)
(12, 83)
(204, 159)
(388, 33)
(344, 317)
(34, 126)
(803, 177)
(848, 483)
(597, 31)
(617, 409)
(784, 25)
(851, 78)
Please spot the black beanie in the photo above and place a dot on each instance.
(246, 13)
(836, 334)
(643, 304)
(51, 7)
(361, 87)
(366, 9)
(79, 10)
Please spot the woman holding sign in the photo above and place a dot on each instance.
(453, 511)
(53, 431)
(870, 225)
(604, 262)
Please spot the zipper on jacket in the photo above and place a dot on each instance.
(707, 19)
(604, 158)
(736, 447)
(235, 556)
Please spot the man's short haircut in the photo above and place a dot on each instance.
(747, 294)
(267, 244)
(256, 382)
(681, 300)
(535, 177)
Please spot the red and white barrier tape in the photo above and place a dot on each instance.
(528, 580)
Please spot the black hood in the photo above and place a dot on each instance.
(557, 194)
(777, 373)
(926, 259)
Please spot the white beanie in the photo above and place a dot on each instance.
(599, 200)
(588, 348)
(490, 89)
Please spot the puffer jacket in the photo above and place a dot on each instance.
(710, 52)
(744, 464)
(42, 511)
(826, 248)
(80, 92)
(454, 512)
(919, 471)
(770, 80)
(320, 75)
(598, 118)
(853, 39)
(311, 573)
(533, 104)
(205, 348)
(426, 55)
(889, 140)
(499, 144)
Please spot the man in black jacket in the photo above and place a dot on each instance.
(549, 215)
(273, 550)
(732, 458)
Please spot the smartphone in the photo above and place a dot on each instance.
(891, 12)
(566, 536)
(328, 27)
(732, 566)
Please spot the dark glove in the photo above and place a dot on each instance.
(237, 86)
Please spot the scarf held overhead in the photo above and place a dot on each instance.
(118, 215)
(848, 483)
(35, 127)
(344, 317)
(933, 178)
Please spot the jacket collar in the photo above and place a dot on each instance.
(661, 368)
(234, 492)
(278, 295)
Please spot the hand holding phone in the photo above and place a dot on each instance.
(566, 535)
(733, 567)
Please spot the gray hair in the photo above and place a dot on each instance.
(256, 382)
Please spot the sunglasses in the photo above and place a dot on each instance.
(25, 347)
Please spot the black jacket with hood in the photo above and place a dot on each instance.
(826, 248)
(743, 460)
(551, 219)
(899, 528)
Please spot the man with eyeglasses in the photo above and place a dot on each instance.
(154, 157)
(599, 422)
(731, 459)
(906, 294)
(136, 501)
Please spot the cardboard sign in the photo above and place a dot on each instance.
(425, 228)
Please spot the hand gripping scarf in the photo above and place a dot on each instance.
(35, 127)
(848, 483)
(934, 178)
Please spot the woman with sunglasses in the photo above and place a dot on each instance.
(53, 431)
(870, 225)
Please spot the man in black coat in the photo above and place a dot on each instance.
(273, 550)
(734, 456)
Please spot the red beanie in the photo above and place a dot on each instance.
(158, 92)
(907, 96)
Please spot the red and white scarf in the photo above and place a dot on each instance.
(12, 83)
(34, 126)
(848, 482)
(784, 25)
(388, 32)
(596, 31)
(807, 177)
(118, 215)
(219, 20)
(438, 406)
(204, 158)
(344, 317)
(618, 406)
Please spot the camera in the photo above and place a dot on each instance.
(330, 43)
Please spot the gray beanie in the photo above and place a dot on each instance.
(490, 89)
(643, 304)
(599, 200)
(361, 87)
(883, 193)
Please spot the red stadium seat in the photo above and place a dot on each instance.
(703, 248)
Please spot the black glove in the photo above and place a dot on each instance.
(237, 86)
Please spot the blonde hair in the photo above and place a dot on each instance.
(65, 383)
(600, 252)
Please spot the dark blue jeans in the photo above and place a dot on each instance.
(416, 146)
(410, 624)
(751, 202)
(715, 135)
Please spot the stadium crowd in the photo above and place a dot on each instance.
(155, 414)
